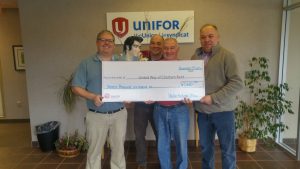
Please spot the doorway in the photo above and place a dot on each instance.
(289, 73)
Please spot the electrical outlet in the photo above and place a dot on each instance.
(19, 103)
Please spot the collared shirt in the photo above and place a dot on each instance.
(204, 56)
(88, 76)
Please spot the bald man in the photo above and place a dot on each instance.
(143, 113)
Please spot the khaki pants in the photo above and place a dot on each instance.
(99, 126)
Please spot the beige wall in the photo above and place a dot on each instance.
(58, 34)
(13, 83)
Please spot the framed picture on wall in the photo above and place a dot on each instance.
(19, 59)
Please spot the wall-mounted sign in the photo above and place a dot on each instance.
(175, 24)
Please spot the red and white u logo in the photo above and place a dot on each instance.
(120, 26)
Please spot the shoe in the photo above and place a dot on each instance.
(142, 167)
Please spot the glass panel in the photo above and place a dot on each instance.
(293, 1)
(292, 76)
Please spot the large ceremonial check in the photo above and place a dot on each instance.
(152, 80)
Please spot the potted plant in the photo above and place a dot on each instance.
(259, 117)
(70, 145)
(67, 97)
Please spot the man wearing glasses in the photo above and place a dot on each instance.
(102, 119)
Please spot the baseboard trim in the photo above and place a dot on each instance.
(14, 120)
(151, 143)
(35, 144)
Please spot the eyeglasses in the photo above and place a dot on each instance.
(106, 40)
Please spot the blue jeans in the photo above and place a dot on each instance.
(172, 123)
(221, 123)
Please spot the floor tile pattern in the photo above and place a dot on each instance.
(16, 153)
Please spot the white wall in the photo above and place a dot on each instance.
(58, 34)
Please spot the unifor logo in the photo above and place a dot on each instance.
(120, 26)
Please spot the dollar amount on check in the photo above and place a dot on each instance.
(152, 80)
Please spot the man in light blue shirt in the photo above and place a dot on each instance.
(103, 118)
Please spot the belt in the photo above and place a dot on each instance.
(172, 106)
(107, 112)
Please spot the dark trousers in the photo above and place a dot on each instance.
(143, 113)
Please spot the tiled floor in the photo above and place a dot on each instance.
(16, 153)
